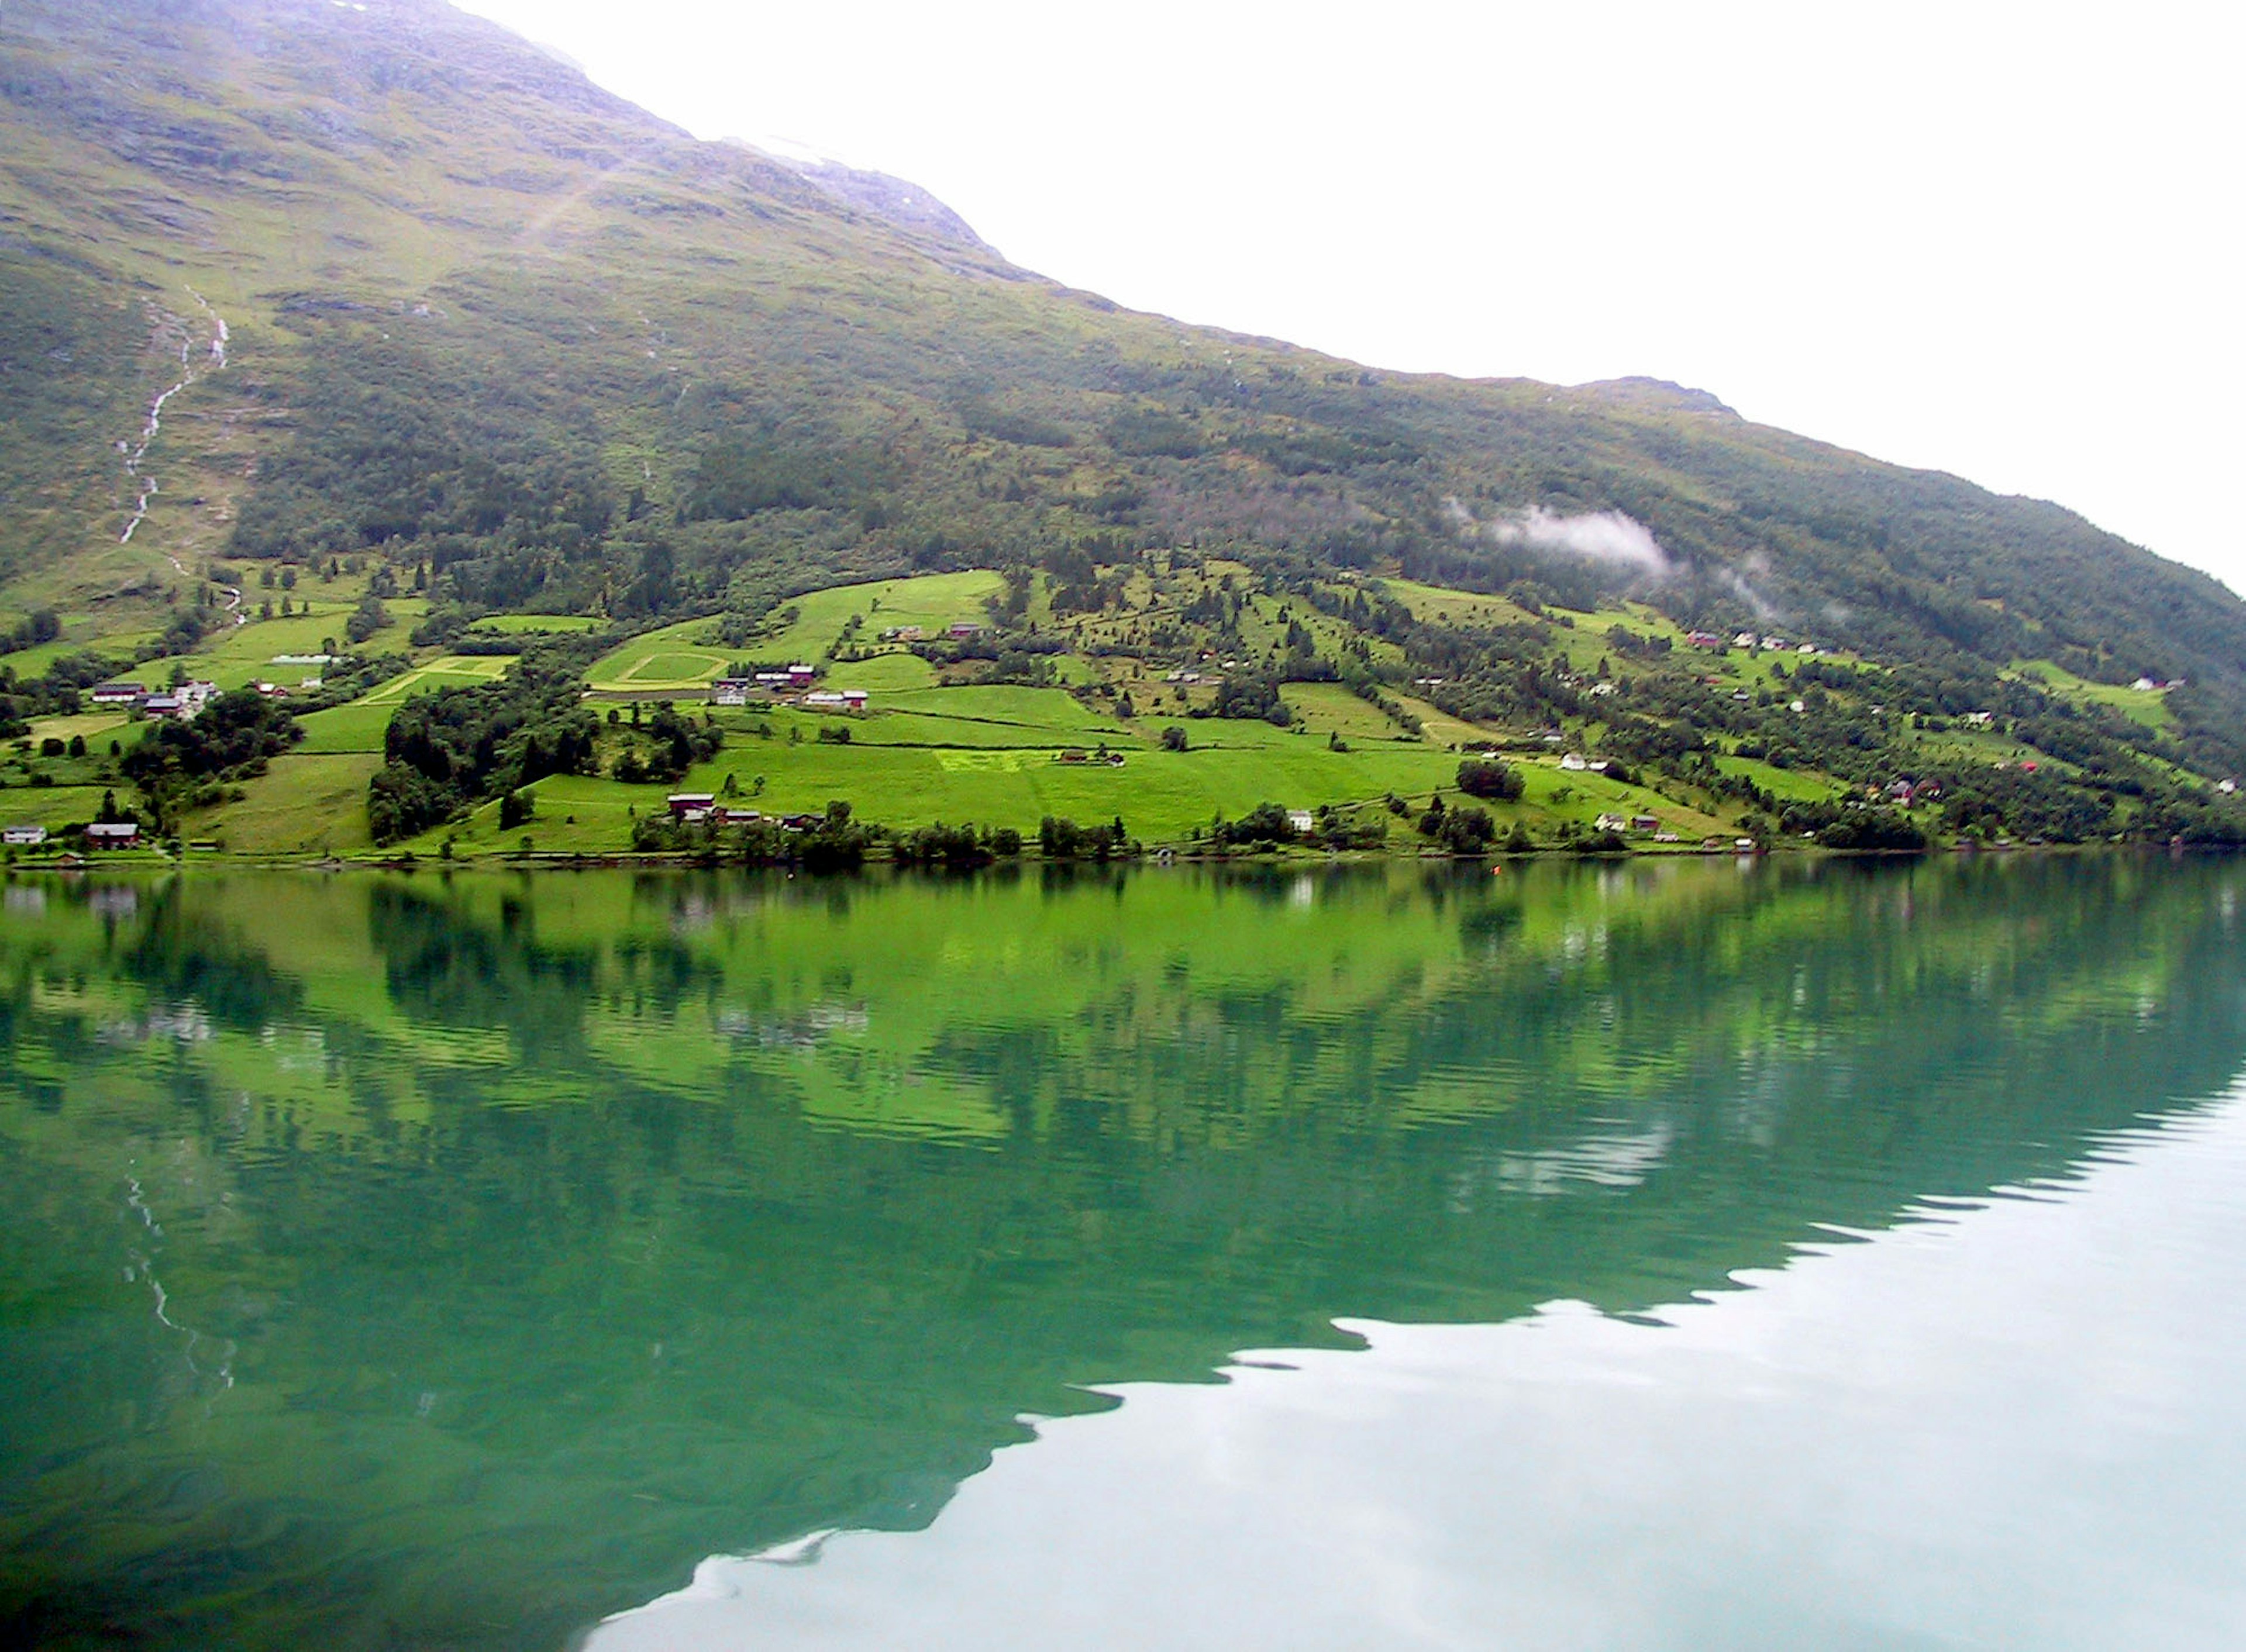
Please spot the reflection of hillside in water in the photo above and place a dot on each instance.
(557, 1234)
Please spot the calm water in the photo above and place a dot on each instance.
(1633, 1256)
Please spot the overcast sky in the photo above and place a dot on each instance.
(1998, 240)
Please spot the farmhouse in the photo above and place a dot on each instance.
(113, 834)
(19, 836)
(691, 806)
(732, 691)
(117, 693)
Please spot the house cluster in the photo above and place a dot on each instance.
(1576, 763)
(102, 835)
(792, 682)
(1751, 640)
(2155, 685)
(1906, 792)
(697, 808)
(1642, 824)
(184, 703)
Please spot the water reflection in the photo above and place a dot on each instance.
(515, 1244)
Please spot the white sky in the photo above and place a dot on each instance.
(1997, 240)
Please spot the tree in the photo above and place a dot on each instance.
(1488, 777)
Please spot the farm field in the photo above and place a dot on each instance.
(2148, 707)
(1789, 785)
(932, 602)
(537, 624)
(446, 671)
(304, 804)
(49, 806)
(678, 657)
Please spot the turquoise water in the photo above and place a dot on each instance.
(1641, 1255)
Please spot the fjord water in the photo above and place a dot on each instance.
(1633, 1256)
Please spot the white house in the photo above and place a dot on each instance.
(1302, 819)
(1574, 761)
(18, 836)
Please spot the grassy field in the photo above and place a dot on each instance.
(93, 726)
(49, 805)
(1328, 707)
(304, 804)
(537, 624)
(685, 658)
(357, 727)
(677, 656)
(2147, 707)
(932, 602)
(446, 671)
(1789, 785)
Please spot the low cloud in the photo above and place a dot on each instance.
(1602, 536)
(1608, 537)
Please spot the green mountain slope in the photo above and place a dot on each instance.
(442, 308)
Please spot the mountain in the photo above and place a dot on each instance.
(438, 306)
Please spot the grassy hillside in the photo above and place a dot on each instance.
(456, 334)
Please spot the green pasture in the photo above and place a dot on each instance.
(52, 806)
(931, 602)
(2147, 707)
(306, 802)
(1328, 707)
(446, 671)
(1440, 726)
(1163, 796)
(358, 726)
(537, 624)
(677, 658)
(91, 725)
(1789, 785)
(1456, 608)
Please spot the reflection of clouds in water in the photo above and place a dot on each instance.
(1595, 1161)
(188, 1024)
(806, 1031)
(2011, 1425)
